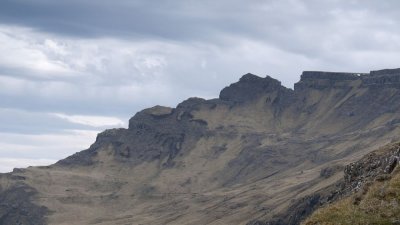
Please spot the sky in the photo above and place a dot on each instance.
(72, 68)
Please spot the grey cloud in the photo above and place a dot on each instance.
(177, 20)
(303, 27)
(105, 18)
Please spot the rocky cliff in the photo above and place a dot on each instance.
(256, 154)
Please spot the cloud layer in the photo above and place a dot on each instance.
(69, 69)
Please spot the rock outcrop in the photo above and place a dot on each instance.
(320, 80)
(369, 189)
(250, 87)
(17, 202)
(375, 165)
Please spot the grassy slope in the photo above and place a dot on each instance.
(377, 204)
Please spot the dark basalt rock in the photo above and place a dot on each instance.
(298, 211)
(151, 138)
(330, 171)
(85, 157)
(249, 88)
(302, 208)
(191, 104)
(385, 72)
(311, 75)
(82, 158)
(159, 112)
(17, 208)
(153, 134)
(378, 78)
(372, 166)
(321, 80)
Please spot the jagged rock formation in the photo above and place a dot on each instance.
(256, 153)
(16, 206)
(375, 165)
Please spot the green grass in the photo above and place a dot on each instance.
(379, 205)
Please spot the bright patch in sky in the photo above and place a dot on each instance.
(8, 164)
(94, 121)
(18, 150)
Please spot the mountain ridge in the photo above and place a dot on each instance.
(248, 155)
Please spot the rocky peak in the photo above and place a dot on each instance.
(191, 103)
(385, 72)
(249, 77)
(321, 80)
(386, 77)
(158, 111)
(318, 75)
(150, 116)
(249, 87)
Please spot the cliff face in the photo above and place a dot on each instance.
(256, 153)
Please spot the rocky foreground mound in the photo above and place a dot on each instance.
(371, 192)
(259, 154)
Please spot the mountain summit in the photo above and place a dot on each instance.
(259, 152)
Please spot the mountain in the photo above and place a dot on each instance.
(259, 154)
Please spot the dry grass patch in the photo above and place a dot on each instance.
(378, 206)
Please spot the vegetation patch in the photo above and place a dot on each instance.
(378, 204)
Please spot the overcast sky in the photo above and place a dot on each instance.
(69, 69)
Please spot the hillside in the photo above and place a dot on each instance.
(374, 187)
(260, 152)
